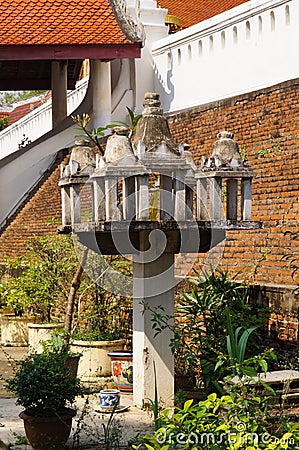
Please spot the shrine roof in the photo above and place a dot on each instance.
(63, 22)
(196, 11)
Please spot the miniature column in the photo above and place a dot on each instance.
(142, 198)
(246, 198)
(129, 198)
(111, 199)
(66, 206)
(166, 198)
(215, 198)
(99, 199)
(202, 199)
(75, 203)
(180, 196)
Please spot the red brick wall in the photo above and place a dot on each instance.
(266, 126)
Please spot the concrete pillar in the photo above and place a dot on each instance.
(59, 91)
(153, 279)
(101, 88)
(153, 24)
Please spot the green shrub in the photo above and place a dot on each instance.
(220, 423)
(43, 384)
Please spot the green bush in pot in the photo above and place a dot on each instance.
(46, 388)
(39, 280)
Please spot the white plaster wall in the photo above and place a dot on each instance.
(152, 21)
(249, 47)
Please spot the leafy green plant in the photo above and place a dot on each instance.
(95, 134)
(3, 123)
(236, 345)
(234, 361)
(155, 403)
(43, 279)
(43, 384)
(200, 323)
(101, 314)
(220, 423)
(101, 317)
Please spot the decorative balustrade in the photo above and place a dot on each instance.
(37, 123)
(246, 48)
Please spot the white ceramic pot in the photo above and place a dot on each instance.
(14, 330)
(38, 333)
(95, 362)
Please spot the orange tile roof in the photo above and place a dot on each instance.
(58, 22)
(196, 11)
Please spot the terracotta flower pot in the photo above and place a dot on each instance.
(45, 433)
(122, 370)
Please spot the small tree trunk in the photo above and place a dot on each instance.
(76, 281)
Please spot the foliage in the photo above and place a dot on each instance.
(3, 123)
(220, 423)
(292, 257)
(103, 315)
(155, 403)
(87, 423)
(200, 323)
(58, 344)
(46, 272)
(95, 134)
(43, 384)
(16, 96)
(234, 361)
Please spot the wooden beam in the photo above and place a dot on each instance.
(61, 52)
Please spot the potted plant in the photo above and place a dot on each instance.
(15, 313)
(101, 328)
(46, 388)
(39, 286)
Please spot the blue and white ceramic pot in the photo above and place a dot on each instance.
(109, 398)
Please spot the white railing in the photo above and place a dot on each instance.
(244, 49)
(38, 122)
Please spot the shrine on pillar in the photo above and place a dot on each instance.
(147, 198)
